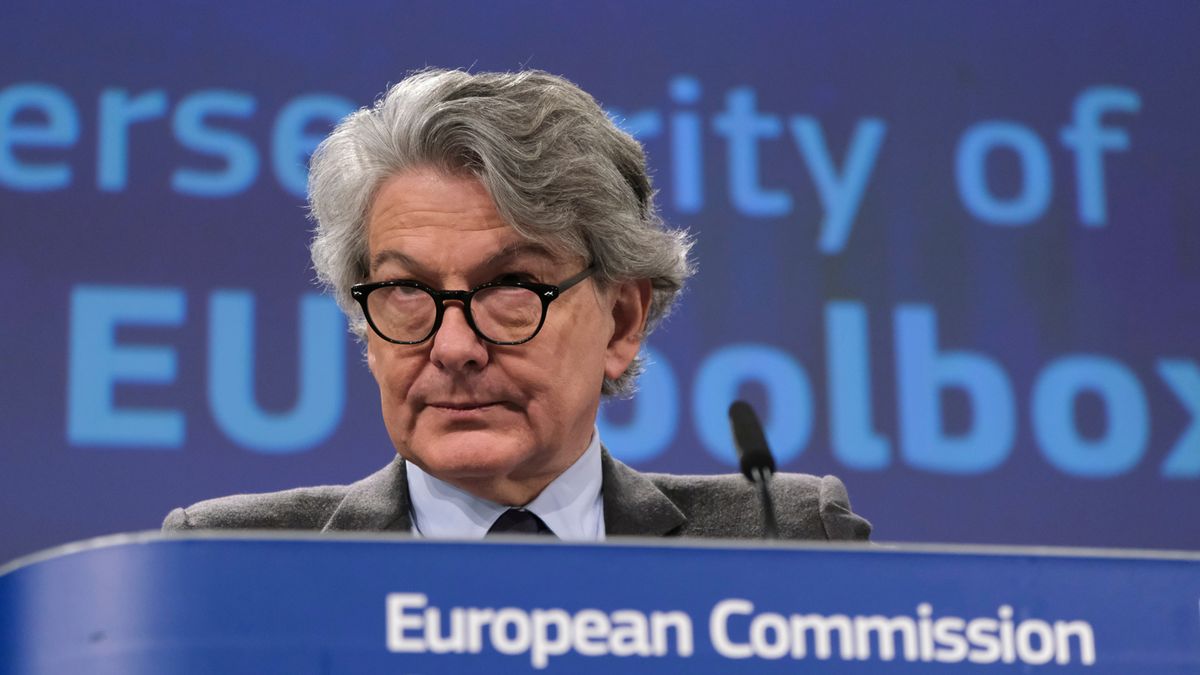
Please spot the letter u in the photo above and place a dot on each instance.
(231, 375)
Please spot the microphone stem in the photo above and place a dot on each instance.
(771, 529)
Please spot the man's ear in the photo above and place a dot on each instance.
(631, 305)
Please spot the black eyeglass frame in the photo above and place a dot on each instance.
(548, 293)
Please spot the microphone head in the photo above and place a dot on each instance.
(753, 453)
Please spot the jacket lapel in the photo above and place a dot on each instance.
(378, 502)
(633, 505)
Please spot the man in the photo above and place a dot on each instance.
(494, 241)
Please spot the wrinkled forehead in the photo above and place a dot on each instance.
(523, 253)
(428, 218)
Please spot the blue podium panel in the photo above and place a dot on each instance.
(150, 604)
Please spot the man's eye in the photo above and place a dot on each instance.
(512, 277)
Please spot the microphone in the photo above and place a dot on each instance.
(757, 463)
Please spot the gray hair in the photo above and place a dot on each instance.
(559, 170)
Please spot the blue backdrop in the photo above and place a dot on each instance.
(949, 250)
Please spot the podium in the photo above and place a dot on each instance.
(232, 604)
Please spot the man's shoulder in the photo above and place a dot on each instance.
(306, 508)
(377, 502)
(734, 484)
(807, 506)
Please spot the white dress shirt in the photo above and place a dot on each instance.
(571, 505)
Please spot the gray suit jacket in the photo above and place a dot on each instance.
(635, 504)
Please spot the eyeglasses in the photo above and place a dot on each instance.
(500, 312)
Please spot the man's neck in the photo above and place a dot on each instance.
(570, 504)
(506, 490)
(515, 490)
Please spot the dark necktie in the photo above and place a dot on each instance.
(519, 521)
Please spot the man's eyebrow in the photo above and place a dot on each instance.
(518, 250)
(507, 254)
(392, 255)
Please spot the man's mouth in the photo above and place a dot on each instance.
(462, 406)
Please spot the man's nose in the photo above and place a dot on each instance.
(456, 346)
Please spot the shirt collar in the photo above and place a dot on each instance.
(571, 505)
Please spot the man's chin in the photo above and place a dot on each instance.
(475, 455)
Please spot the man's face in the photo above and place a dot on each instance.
(498, 421)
